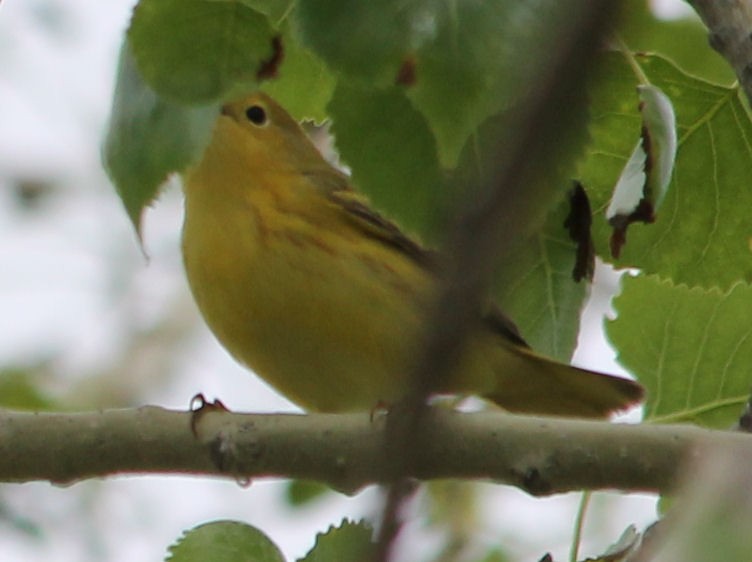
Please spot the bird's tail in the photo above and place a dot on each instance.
(538, 385)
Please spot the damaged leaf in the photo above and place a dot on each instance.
(644, 181)
(579, 223)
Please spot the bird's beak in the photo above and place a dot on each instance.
(226, 110)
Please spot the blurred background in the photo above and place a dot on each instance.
(88, 322)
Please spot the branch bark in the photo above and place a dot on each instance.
(730, 26)
(540, 455)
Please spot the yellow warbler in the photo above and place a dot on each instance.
(301, 281)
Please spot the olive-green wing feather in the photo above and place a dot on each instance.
(373, 224)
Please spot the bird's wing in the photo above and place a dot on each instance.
(376, 226)
(500, 323)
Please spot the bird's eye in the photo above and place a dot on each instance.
(256, 115)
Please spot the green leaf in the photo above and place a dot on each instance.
(534, 281)
(659, 126)
(392, 154)
(701, 235)
(224, 541)
(690, 348)
(623, 549)
(198, 51)
(647, 174)
(644, 181)
(350, 542)
(303, 492)
(20, 390)
(535, 289)
(301, 71)
(450, 505)
(148, 138)
(468, 64)
(496, 555)
(682, 40)
(277, 10)
(461, 71)
(365, 41)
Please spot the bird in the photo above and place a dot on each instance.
(303, 282)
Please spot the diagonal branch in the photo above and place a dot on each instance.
(510, 197)
(730, 25)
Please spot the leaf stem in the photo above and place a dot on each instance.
(579, 524)
(632, 61)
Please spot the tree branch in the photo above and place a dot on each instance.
(539, 455)
(730, 25)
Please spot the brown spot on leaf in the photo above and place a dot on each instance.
(407, 75)
(644, 212)
(270, 66)
(579, 222)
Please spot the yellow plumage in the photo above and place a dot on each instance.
(326, 300)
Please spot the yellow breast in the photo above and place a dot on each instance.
(292, 289)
